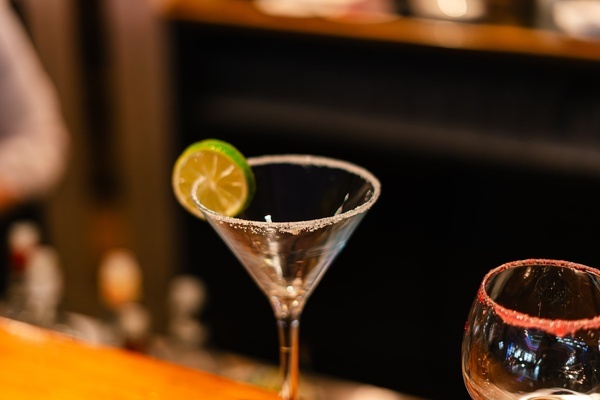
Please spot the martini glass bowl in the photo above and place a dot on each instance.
(533, 333)
(303, 212)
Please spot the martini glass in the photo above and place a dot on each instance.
(303, 212)
(534, 333)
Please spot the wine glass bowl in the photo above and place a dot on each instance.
(533, 332)
(304, 211)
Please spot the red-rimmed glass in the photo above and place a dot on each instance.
(533, 332)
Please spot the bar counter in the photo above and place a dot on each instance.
(39, 364)
(496, 38)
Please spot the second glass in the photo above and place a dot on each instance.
(533, 332)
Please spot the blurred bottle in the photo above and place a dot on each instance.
(43, 287)
(120, 278)
(119, 285)
(134, 324)
(187, 297)
(187, 337)
(23, 237)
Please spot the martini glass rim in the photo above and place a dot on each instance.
(312, 224)
(559, 327)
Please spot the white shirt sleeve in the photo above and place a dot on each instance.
(33, 136)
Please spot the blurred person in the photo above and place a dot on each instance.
(34, 139)
(33, 135)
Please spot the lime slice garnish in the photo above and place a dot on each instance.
(220, 174)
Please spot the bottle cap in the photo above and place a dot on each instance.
(119, 278)
(187, 295)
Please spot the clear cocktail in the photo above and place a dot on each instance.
(303, 212)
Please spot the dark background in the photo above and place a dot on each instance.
(460, 143)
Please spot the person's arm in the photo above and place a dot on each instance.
(33, 135)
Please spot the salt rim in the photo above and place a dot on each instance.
(558, 327)
(296, 227)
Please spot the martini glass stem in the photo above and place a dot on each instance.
(288, 352)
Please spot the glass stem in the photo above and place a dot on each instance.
(288, 327)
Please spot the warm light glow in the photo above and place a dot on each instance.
(459, 10)
(453, 8)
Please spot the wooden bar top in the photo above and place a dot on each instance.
(39, 364)
(441, 34)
